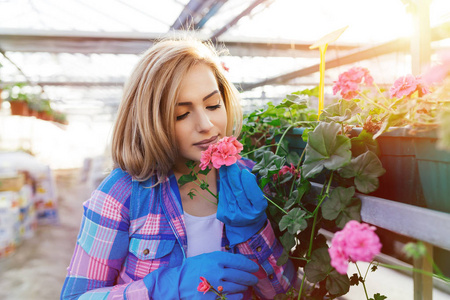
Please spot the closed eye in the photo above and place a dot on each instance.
(182, 116)
(214, 107)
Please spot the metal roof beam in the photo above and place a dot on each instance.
(136, 43)
(398, 45)
(233, 22)
(192, 11)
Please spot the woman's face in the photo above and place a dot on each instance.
(200, 115)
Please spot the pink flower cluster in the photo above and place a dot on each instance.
(224, 152)
(356, 242)
(286, 169)
(348, 82)
(407, 85)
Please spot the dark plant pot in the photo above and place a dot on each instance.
(296, 142)
(434, 171)
(19, 108)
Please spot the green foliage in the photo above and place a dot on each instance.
(342, 206)
(294, 221)
(366, 168)
(326, 149)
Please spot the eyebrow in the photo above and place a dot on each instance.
(204, 98)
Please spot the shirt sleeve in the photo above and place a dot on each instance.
(102, 245)
(264, 249)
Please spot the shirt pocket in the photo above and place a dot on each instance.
(149, 255)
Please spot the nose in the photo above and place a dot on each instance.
(204, 123)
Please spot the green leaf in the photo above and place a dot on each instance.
(377, 296)
(340, 111)
(326, 149)
(191, 194)
(191, 164)
(204, 185)
(284, 257)
(415, 250)
(337, 284)
(186, 179)
(309, 92)
(269, 164)
(294, 221)
(292, 158)
(366, 168)
(318, 268)
(342, 206)
(205, 171)
(364, 142)
(288, 241)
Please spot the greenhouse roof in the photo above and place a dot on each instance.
(88, 48)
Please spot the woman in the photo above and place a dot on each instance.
(142, 236)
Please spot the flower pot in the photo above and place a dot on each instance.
(434, 171)
(19, 108)
(43, 115)
(1, 99)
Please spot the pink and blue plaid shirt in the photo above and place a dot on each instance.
(130, 229)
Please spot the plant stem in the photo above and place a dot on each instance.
(373, 102)
(298, 168)
(363, 281)
(368, 267)
(282, 137)
(301, 287)
(446, 279)
(215, 196)
(266, 146)
(268, 199)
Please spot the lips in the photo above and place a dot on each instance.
(207, 142)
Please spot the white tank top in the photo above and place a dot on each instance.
(204, 234)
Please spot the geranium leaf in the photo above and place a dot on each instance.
(342, 206)
(269, 164)
(205, 171)
(284, 257)
(186, 179)
(366, 168)
(288, 241)
(340, 111)
(364, 142)
(294, 221)
(318, 268)
(326, 149)
(378, 296)
(337, 284)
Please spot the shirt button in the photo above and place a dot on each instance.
(259, 249)
(271, 276)
(146, 251)
(227, 247)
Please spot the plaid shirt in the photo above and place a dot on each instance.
(130, 229)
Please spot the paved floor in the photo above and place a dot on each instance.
(37, 269)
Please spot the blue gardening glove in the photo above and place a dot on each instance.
(232, 271)
(241, 205)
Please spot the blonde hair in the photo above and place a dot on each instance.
(143, 141)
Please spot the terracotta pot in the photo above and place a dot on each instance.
(33, 113)
(1, 100)
(43, 115)
(19, 108)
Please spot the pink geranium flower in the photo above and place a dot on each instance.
(286, 169)
(204, 285)
(437, 73)
(349, 82)
(407, 85)
(356, 242)
(224, 152)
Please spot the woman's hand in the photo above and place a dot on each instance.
(241, 204)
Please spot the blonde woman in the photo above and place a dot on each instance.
(142, 236)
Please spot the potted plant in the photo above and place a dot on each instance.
(60, 118)
(45, 111)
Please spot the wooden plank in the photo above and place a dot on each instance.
(417, 222)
